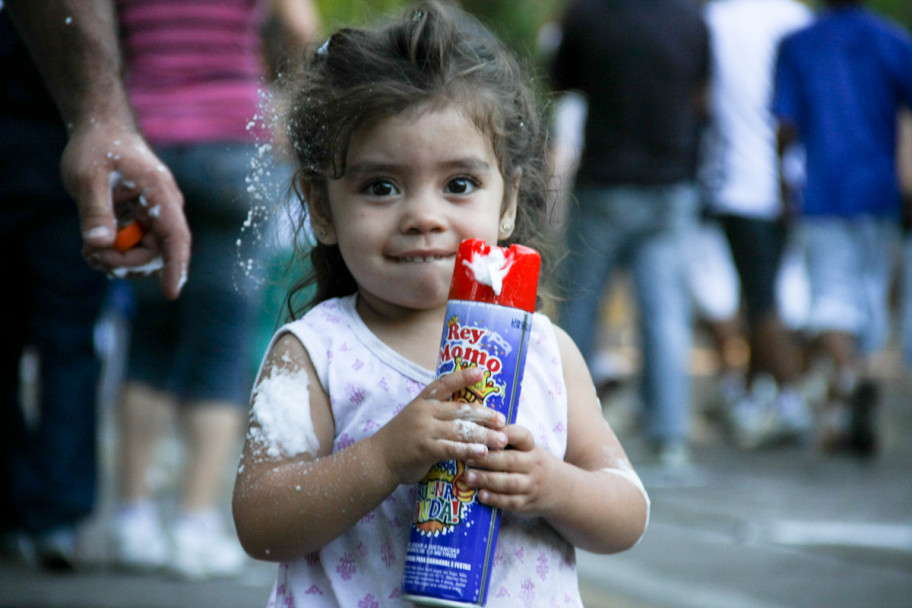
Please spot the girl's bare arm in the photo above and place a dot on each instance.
(593, 497)
(287, 507)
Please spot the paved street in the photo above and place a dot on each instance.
(770, 530)
(783, 528)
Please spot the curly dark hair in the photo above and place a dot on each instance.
(434, 54)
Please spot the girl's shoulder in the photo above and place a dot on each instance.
(333, 312)
(319, 327)
(542, 322)
(544, 330)
(561, 347)
(334, 331)
(545, 347)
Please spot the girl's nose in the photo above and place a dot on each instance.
(423, 212)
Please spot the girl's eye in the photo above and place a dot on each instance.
(381, 188)
(461, 185)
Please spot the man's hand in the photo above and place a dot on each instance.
(107, 166)
(106, 162)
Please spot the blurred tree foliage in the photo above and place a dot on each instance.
(341, 13)
(518, 21)
(898, 10)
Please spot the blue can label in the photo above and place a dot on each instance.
(452, 539)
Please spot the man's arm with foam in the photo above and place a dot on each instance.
(106, 161)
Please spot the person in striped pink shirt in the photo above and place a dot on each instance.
(195, 72)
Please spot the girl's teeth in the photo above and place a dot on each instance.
(421, 258)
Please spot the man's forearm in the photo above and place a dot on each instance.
(75, 45)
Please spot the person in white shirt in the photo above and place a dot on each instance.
(741, 174)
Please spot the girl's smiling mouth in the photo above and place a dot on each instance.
(422, 258)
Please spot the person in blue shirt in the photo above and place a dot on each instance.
(840, 84)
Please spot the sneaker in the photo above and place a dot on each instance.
(673, 455)
(849, 426)
(608, 373)
(55, 551)
(669, 464)
(862, 431)
(755, 424)
(834, 427)
(139, 541)
(727, 391)
(755, 421)
(202, 549)
(16, 548)
(815, 385)
(795, 417)
(770, 416)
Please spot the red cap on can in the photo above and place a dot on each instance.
(496, 275)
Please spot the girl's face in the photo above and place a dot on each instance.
(415, 186)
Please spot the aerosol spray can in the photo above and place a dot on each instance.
(488, 324)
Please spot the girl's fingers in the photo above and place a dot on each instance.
(446, 387)
(520, 438)
(443, 388)
(500, 490)
(497, 460)
(518, 459)
(496, 482)
(466, 431)
(458, 450)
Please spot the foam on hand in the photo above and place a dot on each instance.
(123, 272)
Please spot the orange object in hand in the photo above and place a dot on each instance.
(128, 236)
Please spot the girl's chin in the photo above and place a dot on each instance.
(429, 298)
(414, 297)
(428, 283)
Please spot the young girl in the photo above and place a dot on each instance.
(410, 138)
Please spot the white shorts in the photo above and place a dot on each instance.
(712, 278)
(849, 268)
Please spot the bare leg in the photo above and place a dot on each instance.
(840, 346)
(140, 540)
(774, 351)
(212, 435)
(143, 414)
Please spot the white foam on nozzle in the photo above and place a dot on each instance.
(146, 269)
(490, 269)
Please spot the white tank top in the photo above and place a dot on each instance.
(368, 383)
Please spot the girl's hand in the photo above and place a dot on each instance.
(518, 478)
(433, 428)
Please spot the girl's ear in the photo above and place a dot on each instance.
(318, 211)
(508, 215)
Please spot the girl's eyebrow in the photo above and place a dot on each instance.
(371, 167)
(469, 164)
